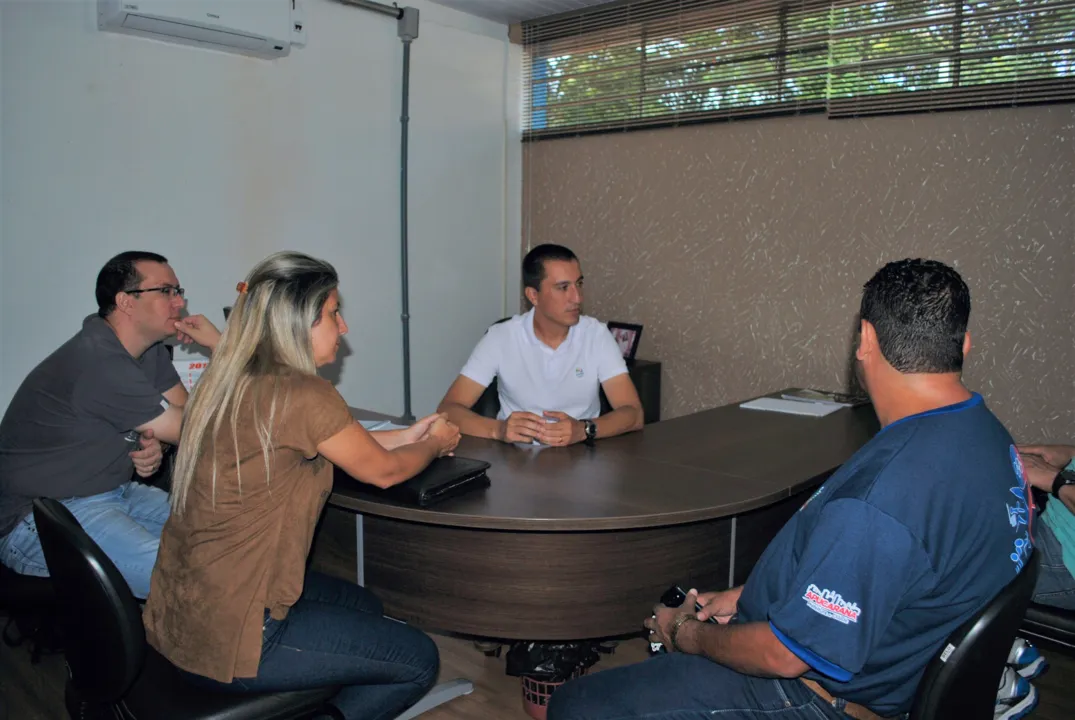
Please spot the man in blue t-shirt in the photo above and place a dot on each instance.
(855, 595)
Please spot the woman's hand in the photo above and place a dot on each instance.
(445, 435)
(419, 431)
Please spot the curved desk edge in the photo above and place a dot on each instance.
(357, 501)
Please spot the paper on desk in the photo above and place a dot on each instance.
(381, 425)
(792, 407)
(189, 371)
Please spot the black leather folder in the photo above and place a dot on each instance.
(446, 477)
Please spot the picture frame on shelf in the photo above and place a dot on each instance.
(626, 336)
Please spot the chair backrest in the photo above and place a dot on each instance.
(961, 681)
(488, 404)
(104, 640)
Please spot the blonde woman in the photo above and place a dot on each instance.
(230, 601)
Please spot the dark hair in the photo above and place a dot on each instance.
(534, 263)
(919, 309)
(120, 274)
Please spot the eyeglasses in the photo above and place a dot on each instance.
(169, 290)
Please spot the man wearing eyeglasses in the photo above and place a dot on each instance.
(94, 413)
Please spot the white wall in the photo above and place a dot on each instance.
(111, 142)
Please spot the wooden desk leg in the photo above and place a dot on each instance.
(360, 558)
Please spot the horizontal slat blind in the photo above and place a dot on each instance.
(915, 55)
(644, 63)
(656, 62)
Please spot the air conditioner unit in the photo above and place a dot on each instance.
(263, 28)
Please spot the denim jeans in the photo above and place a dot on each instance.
(125, 522)
(685, 687)
(1055, 586)
(336, 634)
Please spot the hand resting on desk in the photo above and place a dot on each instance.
(555, 428)
(520, 427)
(444, 433)
(564, 430)
(362, 456)
(419, 431)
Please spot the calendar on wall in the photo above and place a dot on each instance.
(189, 371)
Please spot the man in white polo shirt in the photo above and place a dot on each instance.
(550, 364)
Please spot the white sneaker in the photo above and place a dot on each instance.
(1026, 659)
(1016, 697)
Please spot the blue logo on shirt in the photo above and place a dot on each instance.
(1019, 514)
(578, 372)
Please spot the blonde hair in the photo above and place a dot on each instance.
(268, 335)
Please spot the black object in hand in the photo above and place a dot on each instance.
(675, 596)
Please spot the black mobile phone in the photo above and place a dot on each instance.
(675, 596)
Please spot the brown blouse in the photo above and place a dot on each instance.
(222, 563)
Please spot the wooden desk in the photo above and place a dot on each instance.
(579, 542)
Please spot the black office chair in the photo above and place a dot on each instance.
(488, 404)
(113, 672)
(961, 681)
(29, 603)
(1046, 625)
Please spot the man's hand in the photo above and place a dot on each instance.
(1058, 455)
(445, 434)
(720, 605)
(520, 427)
(660, 625)
(197, 329)
(148, 459)
(565, 431)
(1039, 473)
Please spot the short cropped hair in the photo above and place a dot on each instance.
(534, 262)
(920, 310)
(120, 274)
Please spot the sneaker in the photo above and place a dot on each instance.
(1016, 697)
(1026, 659)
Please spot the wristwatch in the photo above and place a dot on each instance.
(1063, 478)
(591, 431)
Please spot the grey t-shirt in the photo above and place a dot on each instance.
(63, 433)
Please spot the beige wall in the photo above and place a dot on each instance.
(742, 247)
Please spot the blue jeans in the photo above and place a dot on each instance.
(125, 522)
(336, 634)
(685, 687)
(1055, 586)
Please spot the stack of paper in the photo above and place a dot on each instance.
(794, 407)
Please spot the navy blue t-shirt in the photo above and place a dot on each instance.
(907, 540)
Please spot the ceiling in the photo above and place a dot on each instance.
(513, 11)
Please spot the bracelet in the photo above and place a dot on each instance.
(679, 622)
